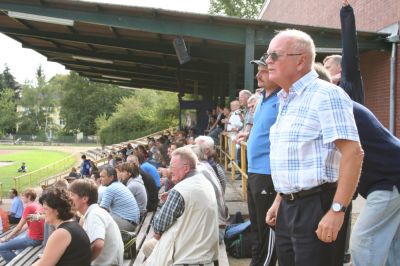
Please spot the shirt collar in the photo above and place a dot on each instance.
(91, 207)
(299, 86)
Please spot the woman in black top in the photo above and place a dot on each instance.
(68, 244)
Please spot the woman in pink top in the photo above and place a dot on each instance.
(33, 236)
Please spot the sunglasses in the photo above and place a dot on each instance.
(275, 56)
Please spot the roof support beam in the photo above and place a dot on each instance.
(249, 55)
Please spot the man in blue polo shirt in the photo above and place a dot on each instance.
(118, 200)
(17, 207)
(260, 189)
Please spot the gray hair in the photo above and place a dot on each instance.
(302, 42)
(253, 98)
(245, 92)
(322, 72)
(186, 154)
(196, 150)
(205, 142)
(337, 59)
(110, 170)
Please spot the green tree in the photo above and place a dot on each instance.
(7, 80)
(83, 101)
(147, 111)
(8, 113)
(39, 102)
(236, 8)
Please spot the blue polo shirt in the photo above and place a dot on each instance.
(381, 166)
(258, 142)
(151, 170)
(17, 207)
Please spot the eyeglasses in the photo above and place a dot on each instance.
(275, 56)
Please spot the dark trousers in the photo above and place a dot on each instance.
(13, 220)
(296, 241)
(260, 196)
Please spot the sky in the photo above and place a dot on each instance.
(24, 62)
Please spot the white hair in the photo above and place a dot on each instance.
(205, 142)
(302, 42)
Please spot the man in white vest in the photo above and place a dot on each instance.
(187, 224)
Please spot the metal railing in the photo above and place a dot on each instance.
(34, 177)
(227, 155)
(100, 157)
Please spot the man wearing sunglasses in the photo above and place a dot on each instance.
(315, 156)
(260, 189)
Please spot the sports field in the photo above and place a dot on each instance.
(49, 161)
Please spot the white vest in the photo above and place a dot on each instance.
(193, 238)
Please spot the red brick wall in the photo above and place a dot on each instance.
(375, 69)
(371, 15)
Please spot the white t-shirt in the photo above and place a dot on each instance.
(235, 121)
(99, 224)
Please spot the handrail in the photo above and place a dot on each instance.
(17, 179)
(45, 182)
(228, 156)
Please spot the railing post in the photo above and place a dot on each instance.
(243, 161)
(226, 152)
(232, 153)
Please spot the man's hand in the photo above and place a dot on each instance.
(163, 197)
(270, 218)
(157, 236)
(241, 136)
(329, 226)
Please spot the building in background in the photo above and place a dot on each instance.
(371, 15)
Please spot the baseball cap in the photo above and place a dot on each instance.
(260, 61)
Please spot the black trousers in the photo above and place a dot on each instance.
(13, 220)
(296, 241)
(260, 196)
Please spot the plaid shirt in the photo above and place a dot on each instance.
(170, 211)
(311, 117)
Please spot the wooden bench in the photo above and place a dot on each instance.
(146, 233)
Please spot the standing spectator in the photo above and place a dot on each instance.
(33, 236)
(184, 212)
(260, 189)
(218, 125)
(118, 200)
(316, 156)
(85, 167)
(104, 235)
(128, 174)
(68, 244)
(17, 207)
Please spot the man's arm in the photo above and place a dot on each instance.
(96, 248)
(349, 173)
(270, 218)
(170, 211)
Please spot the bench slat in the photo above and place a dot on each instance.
(26, 255)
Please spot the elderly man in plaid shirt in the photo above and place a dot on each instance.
(316, 156)
(187, 224)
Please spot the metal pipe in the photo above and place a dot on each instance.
(392, 105)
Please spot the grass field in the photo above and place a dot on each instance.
(35, 159)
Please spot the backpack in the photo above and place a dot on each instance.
(238, 240)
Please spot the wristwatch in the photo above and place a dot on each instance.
(337, 207)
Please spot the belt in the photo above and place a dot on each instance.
(309, 192)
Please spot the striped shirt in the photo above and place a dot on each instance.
(119, 201)
(311, 117)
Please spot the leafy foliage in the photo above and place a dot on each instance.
(145, 112)
(8, 117)
(7, 80)
(236, 8)
(83, 101)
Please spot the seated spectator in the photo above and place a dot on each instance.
(100, 188)
(191, 207)
(149, 168)
(33, 236)
(104, 235)
(118, 200)
(128, 174)
(17, 207)
(23, 168)
(69, 179)
(73, 173)
(68, 244)
(149, 184)
(4, 223)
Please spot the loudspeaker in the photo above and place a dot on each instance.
(181, 51)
